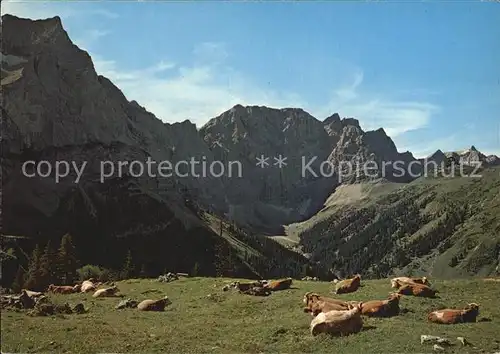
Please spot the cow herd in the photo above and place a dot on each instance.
(330, 315)
(339, 317)
(91, 285)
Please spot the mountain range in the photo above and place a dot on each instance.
(311, 203)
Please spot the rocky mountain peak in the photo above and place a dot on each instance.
(333, 119)
(34, 35)
(237, 108)
(350, 121)
(380, 142)
(437, 156)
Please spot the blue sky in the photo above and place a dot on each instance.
(427, 73)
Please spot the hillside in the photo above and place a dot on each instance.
(228, 322)
(441, 226)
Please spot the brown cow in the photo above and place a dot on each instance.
(382, 308)
(154, 305)
(452, 316)
(63, 289)
(281, 284)
(316, 304)
(107, 292)
(338, 322)
(348, 285)
(419, 290)
(399, 281)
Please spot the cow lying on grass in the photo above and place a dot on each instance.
(348, 285)
(400, 281)
(335, 322)
(107, 292)
(154, 305)
(382, 308)
(280, 284)
(89, 285)
(453, 316)
(316, 304)
(63, 289)
(415, 289)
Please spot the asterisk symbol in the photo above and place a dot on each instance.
(280, 161)
(262, 161)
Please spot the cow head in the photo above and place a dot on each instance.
(472, 307)
(358, 306)
(405, 289)
(394, 297)
(167, 301)
(396, 283)
(353, 304)
(310, 297)
(356, 276)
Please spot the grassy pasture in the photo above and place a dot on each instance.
(228, 322)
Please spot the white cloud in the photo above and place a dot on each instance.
(395, 117)
(203, 91)
(376, 110)
(105, 13)
(349, 92)
(89, 37)
(175, 93)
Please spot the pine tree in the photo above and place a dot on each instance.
(32, 279)
(18, 283)
(48, 263)
(67, 264)
(128, 266)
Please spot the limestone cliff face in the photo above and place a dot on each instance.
(315, 151)
(60, 109)
(370, 154)
(270, 194)
(56, 108)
